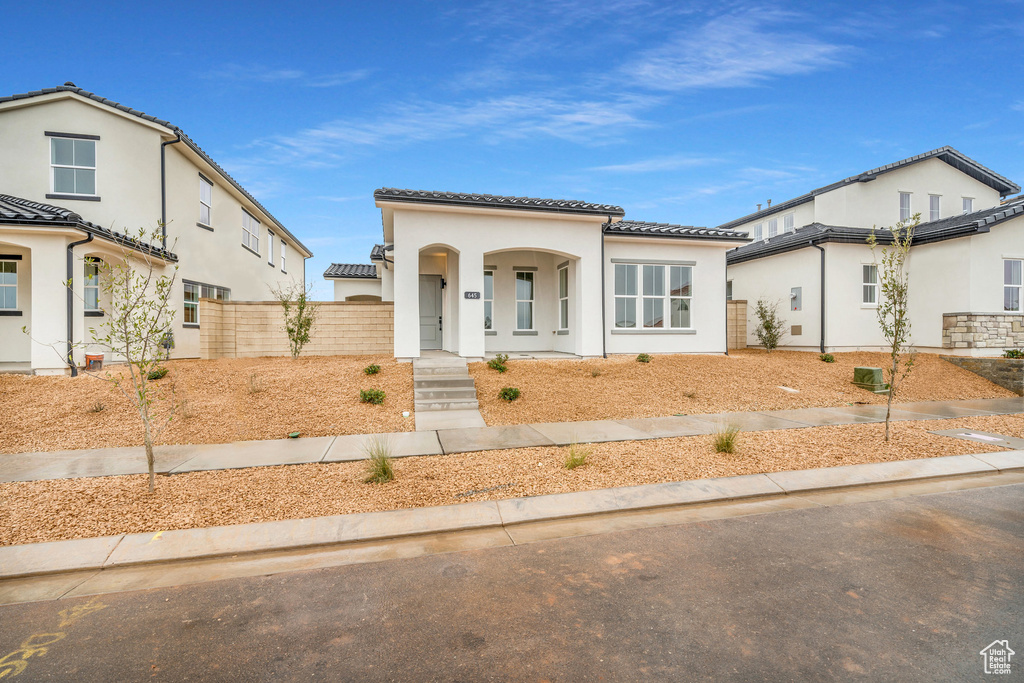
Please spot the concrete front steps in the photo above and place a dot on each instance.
(444, 394)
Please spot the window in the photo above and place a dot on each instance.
(773, 227)
(250, 232)
(1012, 285)
(488, 299)
(270, 247)
(728, 290)
(787, 223)
(8, 285)
(758, 232)
(195, 291)
(904, 206)
(91, 290)
(74, 166)
(934, 201)
(205, 201)
(524, 300)
(563, 298)
(284, 268)
(869, 291)
(653, 289)
(968, 205)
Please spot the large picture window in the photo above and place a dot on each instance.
(488, 299)
(1012, 284)
(251, 232)
(73, 164)
(524, 300)
(194, 291)
(563, 298)
(661, 293)
(869, 285)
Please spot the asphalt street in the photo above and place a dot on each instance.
(910, 589)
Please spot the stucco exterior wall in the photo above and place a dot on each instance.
(346, 287)
(802, 215)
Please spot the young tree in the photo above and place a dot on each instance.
(770, 327)
(894, 283)
(299, 314)
(137, 329)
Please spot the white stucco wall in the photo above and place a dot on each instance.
(347, 287)
(802, 215)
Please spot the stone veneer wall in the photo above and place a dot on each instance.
(982, 330)
(237, 329)
(1006, 372)
(736, 324)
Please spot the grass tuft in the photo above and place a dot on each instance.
(577, 456)
(157, 373)
(378, 466)
(188, 410)
(97, 407)
(725, 439)
(596, 372)
(256, 384)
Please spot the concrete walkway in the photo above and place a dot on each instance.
(189, 458)
(444, 393)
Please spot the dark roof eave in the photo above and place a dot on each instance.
(648, 235)
(96, 232)
(453, 201)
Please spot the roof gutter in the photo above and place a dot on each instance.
(163, 189)
(71, 301)
(821, 293)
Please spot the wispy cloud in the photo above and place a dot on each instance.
(1018, 105)
(737, 49)
(671, 163)
(263, 74)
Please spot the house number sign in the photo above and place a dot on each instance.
(472, 295)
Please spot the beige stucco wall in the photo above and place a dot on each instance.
(802, 215)
(249, 329)
(346, 287)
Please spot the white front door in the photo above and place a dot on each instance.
(430, 312)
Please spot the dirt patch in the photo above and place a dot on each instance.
(619, 387)
(216, 400)
(80, 508)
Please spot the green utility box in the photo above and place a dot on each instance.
(870, 379)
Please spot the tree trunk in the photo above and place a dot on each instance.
(150, 460)
(892, 389)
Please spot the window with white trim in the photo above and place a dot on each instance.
(934, 203)
(758, 232)
(91, 288)
(563, 298)
(250, 232)
(194, 291)
(8, 285)
(205, 201)
(869, 284)
(773, 227)
(73, 166)
(524, 300)
(651, 290)
(968, 204)
(905, 206)
(1012, 285)
(284, 264)
(728, 290)
(787, 223)
(270, 247)
(488, 299)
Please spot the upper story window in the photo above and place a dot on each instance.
(205, 201)
(968, 204)
(8, 285)
(488, 299)
(270, 247)
(91, 289)
(657, 288)
(934, 203)
(563, 298)
(773, 227)
(73, 166)
(524, 300)
(869, 285)
(250, 232)
(758, 232)
(1012, 270)
(284, 268)
(787, 223)
(905, 206)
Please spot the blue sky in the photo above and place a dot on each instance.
(682, 112)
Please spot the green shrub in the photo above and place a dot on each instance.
(725, 439)
(770, 326)
(378, 464)
(509, 394)
(577, 456)
(157, 373)
(643, 358)
(827, 358)
(1013, 353)
(372, 369)
(498, 362)
(374, 396)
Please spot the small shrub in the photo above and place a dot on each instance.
(1013, 353)
(725, 439)
(827, 358)
(157, 373)
(509, 394)
(770, 327)
(188, 411)
(498, 362)
(97, 407)
(371, 369)
(595, 372)
(643, 358)
(374, 396)
(577, 456)
(255, 384)
(378, 464)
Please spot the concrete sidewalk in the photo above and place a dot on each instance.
(174, 459)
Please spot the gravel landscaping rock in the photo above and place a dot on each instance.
(80, 508)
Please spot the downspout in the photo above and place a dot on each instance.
(71, 302)
(163, 190)
(727, 306)
(822, 293)
(604, 303)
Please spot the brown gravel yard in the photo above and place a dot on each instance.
(79, 508)
(317, 396)
(746, 380)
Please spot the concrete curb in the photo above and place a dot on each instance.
(242, 539)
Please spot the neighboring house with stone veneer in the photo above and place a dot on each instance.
(965, 264)
(74, 165)
(478, 274)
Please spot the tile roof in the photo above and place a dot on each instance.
(18, 211)
(72, 88)
(947, 154)
(953, 227)
(377, 253)
(648, 229)
(351, 270)
(392, 194)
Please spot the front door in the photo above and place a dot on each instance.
(430, 312)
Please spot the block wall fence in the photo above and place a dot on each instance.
(736, 324)
(247, 329)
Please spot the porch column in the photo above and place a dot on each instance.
(47, 324)
(471, 311)
(589, 304)
(407, 299)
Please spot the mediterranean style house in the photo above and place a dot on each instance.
(810, 254)
(78, 172)
(477, 274)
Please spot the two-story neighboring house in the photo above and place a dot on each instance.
(76, 172)
(810, 254)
